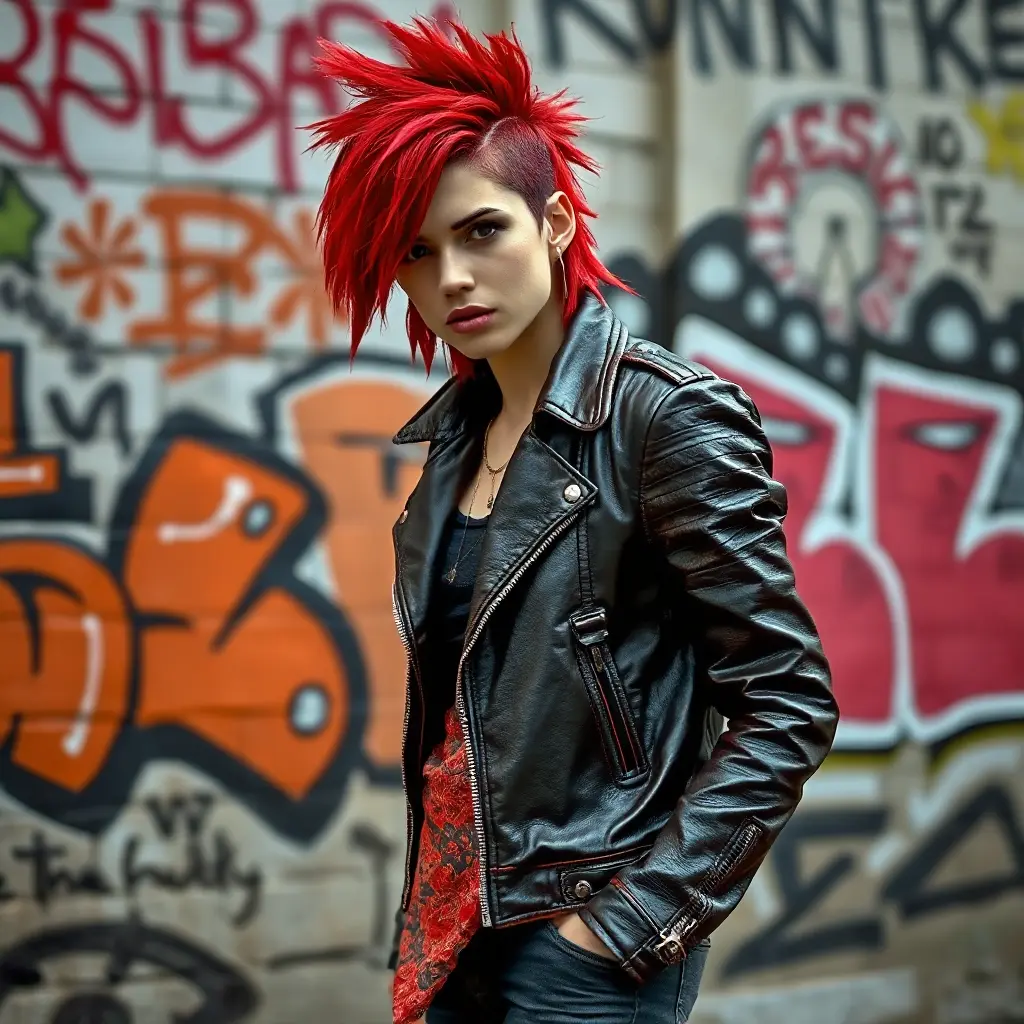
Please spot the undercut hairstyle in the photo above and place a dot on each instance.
(455, 98)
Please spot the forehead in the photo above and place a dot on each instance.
(461, 190)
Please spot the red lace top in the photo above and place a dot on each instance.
(444, 909)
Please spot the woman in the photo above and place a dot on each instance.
(591, 570)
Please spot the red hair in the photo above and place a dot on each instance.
(454, 99)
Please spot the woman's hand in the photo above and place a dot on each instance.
(572, 928)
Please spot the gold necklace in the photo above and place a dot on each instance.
(494, 472)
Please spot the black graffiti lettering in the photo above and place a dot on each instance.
(970, 221)
(1005, 43)
(940, 143)
(909, 889)
(112, 396)
(938, 38)
(553, 14)
(777, 945)
(168, 813)
(972, 235)
(50, 878)
(976, 251)
(737, 30)
(945, 196)
(874, 39)
(658, 31)
(213, 870)
(821, 37)
(225, 996)
(380, 851)
(33, 306)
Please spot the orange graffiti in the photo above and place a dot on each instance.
(64, 675)
(196, 273)
(100, 257)
(24, 473)
(344, 431)
(211, 248)
(229, 668)
(200, 615)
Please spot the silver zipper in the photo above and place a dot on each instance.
(404, 636)
(485, 910)
(671, 946)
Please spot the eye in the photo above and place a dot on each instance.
(484, 229)
(417, 252)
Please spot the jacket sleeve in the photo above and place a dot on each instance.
(709, 503)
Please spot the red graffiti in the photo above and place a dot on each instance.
(963, 570)
(837, 578)
(923, 565)
(74, 31)
(851, 138)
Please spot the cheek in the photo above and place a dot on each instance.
(415, 288)
(528, 275)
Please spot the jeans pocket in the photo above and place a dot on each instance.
(689, 979)
(584, 955)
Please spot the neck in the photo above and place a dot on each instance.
(522, 369)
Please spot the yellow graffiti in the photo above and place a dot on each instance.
(1004, 132)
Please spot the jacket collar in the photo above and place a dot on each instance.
(578, 390)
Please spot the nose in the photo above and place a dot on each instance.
(455, 273)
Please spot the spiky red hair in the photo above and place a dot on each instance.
(453, 99)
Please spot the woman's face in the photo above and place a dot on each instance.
(481, 269)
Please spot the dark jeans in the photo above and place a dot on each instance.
(529, 974)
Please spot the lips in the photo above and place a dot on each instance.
(468, 313)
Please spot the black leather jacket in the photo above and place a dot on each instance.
(633, 585)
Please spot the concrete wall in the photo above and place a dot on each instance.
(200, 683)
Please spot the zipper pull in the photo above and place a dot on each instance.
(670, 949)
(590, 627)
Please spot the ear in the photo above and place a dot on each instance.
(559, 222)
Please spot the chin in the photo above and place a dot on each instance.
(485, 345)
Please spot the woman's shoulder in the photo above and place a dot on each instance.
(679, 390)
(650, 357)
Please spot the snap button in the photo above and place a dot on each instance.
(572, 493)
(583, 889)
(405, 515)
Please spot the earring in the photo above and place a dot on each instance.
(561, 262)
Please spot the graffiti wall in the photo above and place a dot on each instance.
(201, 685)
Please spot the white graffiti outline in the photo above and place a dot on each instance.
(237, 491)
(77, 736)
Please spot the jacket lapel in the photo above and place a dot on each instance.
(418, 538)
(541, 492)
(538, 498)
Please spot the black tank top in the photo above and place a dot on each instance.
(447, 618)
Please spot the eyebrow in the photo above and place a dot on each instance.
(464, 221)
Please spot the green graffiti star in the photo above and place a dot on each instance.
(21, 221)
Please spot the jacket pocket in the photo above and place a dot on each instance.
(581, 881)
(622, 746)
